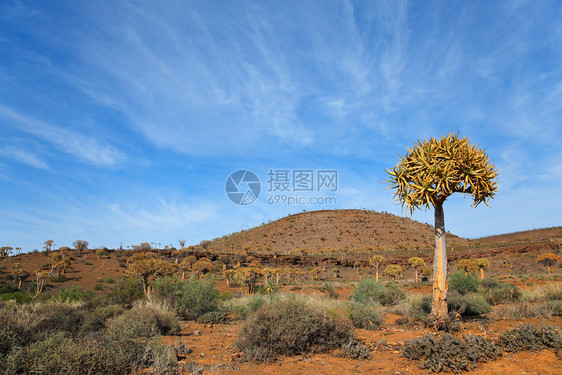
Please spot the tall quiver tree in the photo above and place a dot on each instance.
(376, 261)
(482, 264)
(427, 175)
(416, 263)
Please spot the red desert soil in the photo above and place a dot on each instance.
(214, 350)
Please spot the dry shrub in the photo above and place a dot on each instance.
(144, 320)
(291, 327)
(450, 353)
(523, 310)
(529, 337)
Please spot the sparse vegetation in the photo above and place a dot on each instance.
(290, 327)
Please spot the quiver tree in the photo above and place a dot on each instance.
(229, 275)
(467, 266)
(393, 271)
(482, 264)
(148, 270)
(40, 275)
(184, 266)
(426, 176)
(376, 261)
(48, 245)
(5, 251)
(202, 267)
(80, 245)
(548, 260)
(249, 276)
(19, 275)
(416, 263)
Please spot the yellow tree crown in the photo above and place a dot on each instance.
(434, 169)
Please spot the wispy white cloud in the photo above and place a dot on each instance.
(23, 156)
(85, 148)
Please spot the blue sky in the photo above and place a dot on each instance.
(121, 121)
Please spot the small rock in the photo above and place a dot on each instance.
(202, 355)
(196, 333)
(171, 354)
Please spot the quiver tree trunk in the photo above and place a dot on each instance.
(440, 278)
(481, 273)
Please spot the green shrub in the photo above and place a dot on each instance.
(166, 289)
(246, 306)
(225, 296)
(469, 304)
(421, 308)
(143, 321)
(196, 298)
(98, 286)
(56, 317)
(355, 349)
(553, 292)
(496, 292)
(59, 279)
(96, 320)
(73, 294)
(523, 310)
(126, 291)
(18, 296)
(290, 327)
(363, 316)
(529, 337)
(450, 353)
(462, 283)
(331, 290)
(60, 354)
(212, 317)
(368, 291)
(555, 307)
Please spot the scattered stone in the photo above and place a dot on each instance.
(171, 353)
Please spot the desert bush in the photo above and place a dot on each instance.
(363, 316)
(60, 354)
(554, 307)
(450, 353)
(331, 290)
(144, 320)
(290, 327)
(11, 292)
(522, 310)
(127, 290)
(59, 279)
(462, 283)
(420, 308)
(212, 317)
(73, 294)
(553, 292)
(166, 290)
(469, 304)
(95, 320)
(225, 296)
(355, 349)
(529, 337)
(56, 316)
(245, 306)
(368, 291)
(17, 328)
(549, 292)
(196, 298)
(496, 292)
